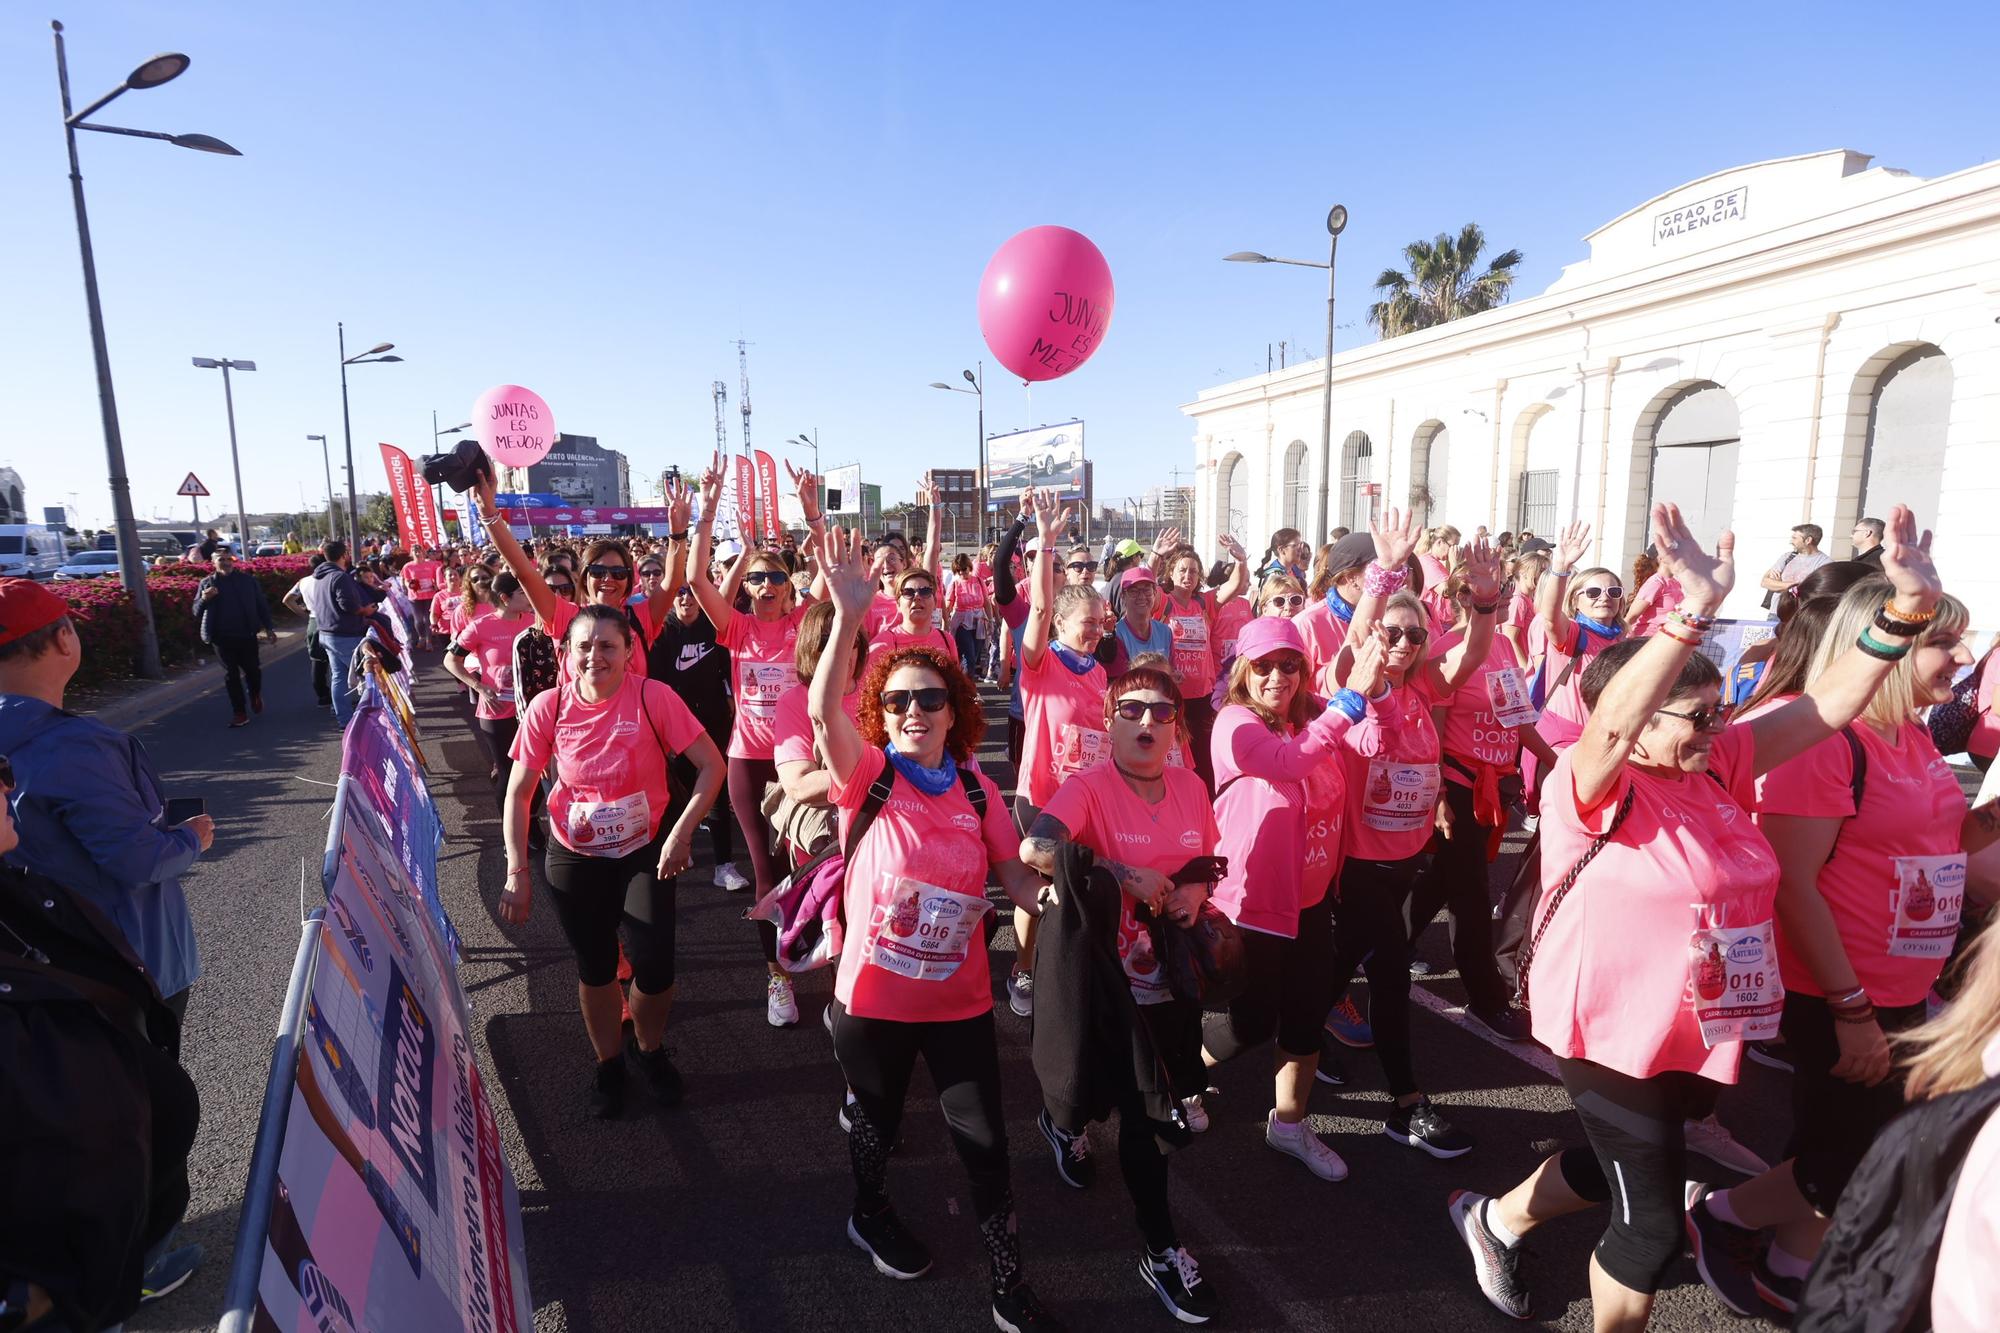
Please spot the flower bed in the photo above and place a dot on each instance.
(109, 624)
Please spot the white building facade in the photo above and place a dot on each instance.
(1806, 340)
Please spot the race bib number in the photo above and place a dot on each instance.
(761, 684)
(1507, 692)
(1399, 798)
(503, 683)
(1929, 895)
(1733, 983)
(920, 931)
(1190, 645)
(1078, 748)
(609, 828)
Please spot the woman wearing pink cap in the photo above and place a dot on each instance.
(1136, 633)
(1281, 804)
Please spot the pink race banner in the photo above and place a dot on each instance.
(590, 514)
(767, 497)
(415, 519)
(746, 496)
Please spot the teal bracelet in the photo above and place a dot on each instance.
(1874, 647)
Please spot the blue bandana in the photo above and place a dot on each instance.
(1343, 611)
(1598, 628)
(1080, 663)
(930, 781)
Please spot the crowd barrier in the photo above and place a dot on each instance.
(378, 1196)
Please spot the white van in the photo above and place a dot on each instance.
(30, 551)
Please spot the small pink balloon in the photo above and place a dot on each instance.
(515, 426)
(1045, 302)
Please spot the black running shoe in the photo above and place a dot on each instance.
(1508, 1023)
(1332, 1068)
(1176, 1279)
(1421, 1125)
(607, 1089)
(1497, 1266)
(1770, 1054)
(657, 1068)
(896, 1252)
(1725, 1255)
(1777, 1290)
(1072, 1152)
(1018, 1311)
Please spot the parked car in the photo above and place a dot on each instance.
(107, 541)
(270, 548)
(31, 551)
(90, 565)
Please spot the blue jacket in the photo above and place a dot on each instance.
(340, 601)
(89, 809)
(237, 611)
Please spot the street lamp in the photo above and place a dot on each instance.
(331, 508)
(819, 482)
(1336, 223)
(368, 357)
(978, 389)
(131, 570)
(437, 491)
(225, 365)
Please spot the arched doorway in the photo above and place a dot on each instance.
(1295, 502)
(1692, 442)
(1232, 496)
(1902, 461)
(1357, 459)
(1429, 466)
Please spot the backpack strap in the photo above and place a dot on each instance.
(1561, 891)
(975, 791)
(871, 806)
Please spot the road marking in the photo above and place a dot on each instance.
(1454, 1014)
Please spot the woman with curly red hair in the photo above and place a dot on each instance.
(912, 979)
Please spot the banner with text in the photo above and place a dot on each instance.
(767, 494)
(416, 520)
(746, 498)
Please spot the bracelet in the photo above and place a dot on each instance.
(1379, 582)
(1667, 631)
(1486, 610)
(1855, 1016)
(680, 536)
(1922, 618)
(519, 870)
(1859, 993)
(1352, 703)
(1700, 624)
(1887, 652)
(1902, 629)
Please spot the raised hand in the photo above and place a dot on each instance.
(927, 494)
(1054, 534)
(1396, 535)
(711, 489)
(1705, 579)
(807, 485)
(1570, 547)
(1167, 540)
(1369, 669)
(1906, 560)
(1044, 507)
(1482, 570)
(680, 504)
(1235, 549)
(848, 580)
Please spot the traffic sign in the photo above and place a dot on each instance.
(192, 486)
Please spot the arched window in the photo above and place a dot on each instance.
(1356, 463)
(1428, 463)
(1295, 502)
(1232, 493)
(1694, 445)
(1903, 462)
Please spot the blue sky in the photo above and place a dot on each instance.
(597, 200)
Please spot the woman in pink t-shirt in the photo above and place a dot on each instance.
(1281, 595)
(1573, 623)
(801, 772)
(611, 735)
(967, 602)
(1528, 571)
(1392, 777)
(1867, 914)
(912, 980)
(916, 625)
(489, 640)
(1150, 826)
(1657, 598)
(1647, 841)
(1281, 804)
(1191, 614)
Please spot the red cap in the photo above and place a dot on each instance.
(26, 606)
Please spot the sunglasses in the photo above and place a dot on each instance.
(931, 698)
(1613, 591)
(563, 589)
(1395, 634)
(1288, 599)
(614, 573)
(1704, 719)
(648, 572)
(1152, 710)
(1284, 666)
(918, 591)
(762, 576)
(1087, 566)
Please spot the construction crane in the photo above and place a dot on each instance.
(721, 435)
(743, 403)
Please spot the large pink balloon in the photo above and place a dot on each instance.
(1045, 302)
(515, 426)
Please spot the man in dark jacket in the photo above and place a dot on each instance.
(344, 607)
(230, 608)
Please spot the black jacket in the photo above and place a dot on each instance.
(1092, 1045)
(237, 611)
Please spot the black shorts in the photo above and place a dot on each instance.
(1834, 1121)
(596, 896)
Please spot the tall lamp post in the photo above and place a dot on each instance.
(437, 491)
(332, 509)
(131, 570)
(225, 365)
(819, 482)
(368, 357)
(978, 390)
(1336, 222)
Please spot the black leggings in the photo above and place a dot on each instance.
(1291, 983)
(877, 1057)
(595, 895)
(1834, 1121)
(747, 780)
(720, 821)
(1456, 879)
(1368, 924)
(1200, 715)
(496, 738)
(1637, 1161)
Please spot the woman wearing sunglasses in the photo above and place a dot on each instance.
(606, 579)
(917, 596)
(1281, 804)
(1280, 595)
(912, 979)
(1576, 618)
(1867, 914)
(611, 736)
(1393, 777)
(1653, 956)
(1190, 614)
(1144, 821)
(489, 640)
(1062, 703)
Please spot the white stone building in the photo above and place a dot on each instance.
(1803, 340)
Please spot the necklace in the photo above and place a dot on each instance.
(1154, 798)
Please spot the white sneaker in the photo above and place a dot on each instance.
(1021, 993)
(1197, 1114)
(729, 879)
(1305, 1145)
(1707, 1138)
(781, 1007)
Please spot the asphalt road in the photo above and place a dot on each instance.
(729, 1213)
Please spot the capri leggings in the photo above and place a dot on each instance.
(1368, 932)
(1290, 989)
(595, 895)
(496, 737)
(1636, 1162)
(747, 780)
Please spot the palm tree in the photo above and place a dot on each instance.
(1442, 283)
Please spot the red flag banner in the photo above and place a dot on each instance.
(767, 494)
(746, 497)
(430, 528)
(405, 488)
